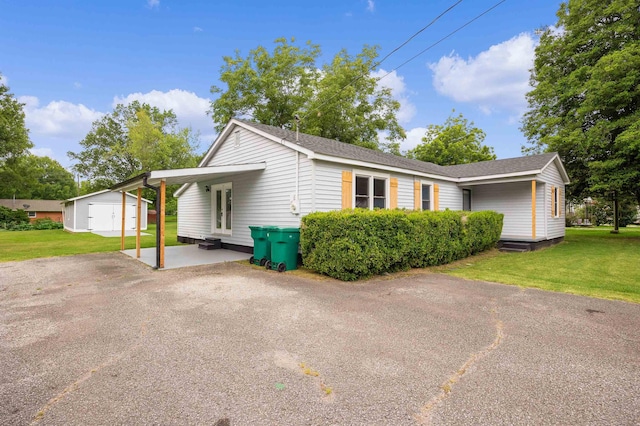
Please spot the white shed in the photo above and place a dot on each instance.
(102, 211)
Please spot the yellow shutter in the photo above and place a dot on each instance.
(560, 203)
(417, 200)
(436, 197)
(393, 193)
(347, 180)
(553, 199)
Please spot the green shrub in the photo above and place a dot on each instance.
(9, 218)
(40, 224)
(354, 244)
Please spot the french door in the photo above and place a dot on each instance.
(221, 208)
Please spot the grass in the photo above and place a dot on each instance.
(590, 262)
(23, 245)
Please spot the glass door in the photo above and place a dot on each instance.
(221, 203)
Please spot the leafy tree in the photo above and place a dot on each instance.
(40, 178)
(14, 136)
(339, 100)
(132, 139)
(456, 141)
(585, 101)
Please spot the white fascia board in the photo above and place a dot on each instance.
(289, 144)
(494, 181)
(368, 165)
(88, 195)
(500, 176)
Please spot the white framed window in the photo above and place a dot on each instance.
(222, 208)
(426, 195)
(555, 201)
(370, 190)
(31, 214)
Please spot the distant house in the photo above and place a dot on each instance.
(36, 209)
(102, 211)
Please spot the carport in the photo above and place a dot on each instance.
(158, 181)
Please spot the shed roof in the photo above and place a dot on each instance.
(98, 193)
(32, 205)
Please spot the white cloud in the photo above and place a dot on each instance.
(197, 29)
(414, 137)
(371, 6)
(77, 85)
(42, 152)
(190, 109)
(153, 3)
(496, 79)
(58, 119)
(399, 91)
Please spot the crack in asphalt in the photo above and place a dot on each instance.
(86, 376)
(424, 417)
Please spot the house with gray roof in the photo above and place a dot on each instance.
(36, 209)
(255, 174)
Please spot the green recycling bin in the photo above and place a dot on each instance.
(284, 249)
(261, 245)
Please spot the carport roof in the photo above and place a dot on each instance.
(189, 175)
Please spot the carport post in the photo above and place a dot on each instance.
(163, 190)
(138, 221)
(124, 200)
(157, 190)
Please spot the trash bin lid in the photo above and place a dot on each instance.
(290, 230)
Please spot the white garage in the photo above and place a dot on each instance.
(102, 211)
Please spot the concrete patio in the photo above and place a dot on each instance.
(187, 255)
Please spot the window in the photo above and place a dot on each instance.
(221, 207)
(466, 200)
(31, 214)
(371, 192)
(555, 201)
(426, 197)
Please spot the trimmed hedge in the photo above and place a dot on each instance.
(36, 225)
(354, 244)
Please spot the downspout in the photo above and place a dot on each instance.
(157, 190)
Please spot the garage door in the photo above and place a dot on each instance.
(108, 217)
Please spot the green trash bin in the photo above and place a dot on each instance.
(261, 245)
(284, 249)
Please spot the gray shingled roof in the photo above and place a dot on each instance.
(496, 167)
(34, 205)
(335, 148)
(338, 149)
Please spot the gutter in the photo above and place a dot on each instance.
(157, 190)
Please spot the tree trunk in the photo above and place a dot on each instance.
(616, 209)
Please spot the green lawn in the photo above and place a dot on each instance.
(23, 245)
(591, 262)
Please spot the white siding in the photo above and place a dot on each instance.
(405, 191)
(511, 199)
(450, 196)
(555, 225)
(259, 198)
(82, 209)
(69, 215)
(328, 185)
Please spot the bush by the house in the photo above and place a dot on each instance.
(9, 217)
(353, 244)
(36, 225)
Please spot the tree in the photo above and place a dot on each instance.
(456, 141)
(133, 139)
(585, 101)
(39, 178)
(340, 100)
(14, 136)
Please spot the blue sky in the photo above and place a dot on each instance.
(72, 61)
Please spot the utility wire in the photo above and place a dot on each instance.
(444, 38)
(377, 64)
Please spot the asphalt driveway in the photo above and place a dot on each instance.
(102, 339)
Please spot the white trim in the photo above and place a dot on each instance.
(561, 169)
(222, 187)
(75, 214)
(431, 194)
(499, 176)
(528, 178)
(102, 192)
(371, 176)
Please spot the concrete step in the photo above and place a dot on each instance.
(210, 245)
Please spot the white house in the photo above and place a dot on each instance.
(255, 174)
(102, 211)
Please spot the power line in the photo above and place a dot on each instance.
(377, 64)
(444, 38)
(418, 32)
